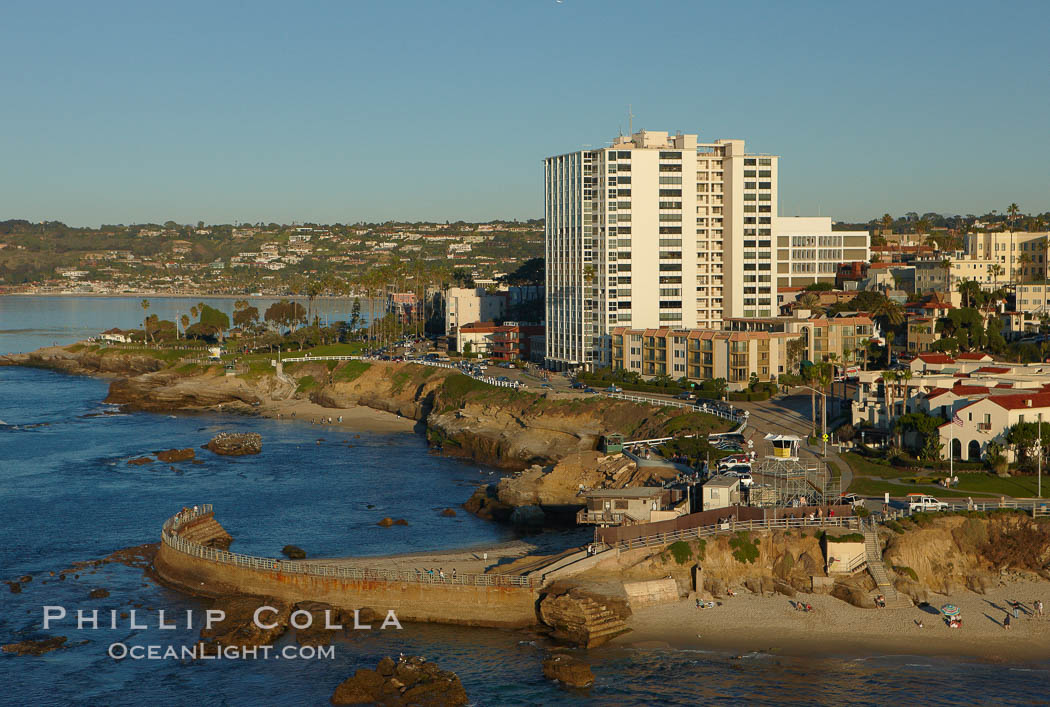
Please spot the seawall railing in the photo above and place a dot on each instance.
(170, 537)
(704, 531)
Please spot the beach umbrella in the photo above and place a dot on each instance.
(950, 610)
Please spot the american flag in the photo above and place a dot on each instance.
(956, 420)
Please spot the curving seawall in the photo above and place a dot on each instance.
(184, 562)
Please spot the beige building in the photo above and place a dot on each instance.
(844, 335)
(808, 251)
(1034, 297)
(922, 334)
(990, 419)
(465, 305)
(703, 354)
(1021, 255)
(656, 230)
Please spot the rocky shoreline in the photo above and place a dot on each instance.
(461, 417)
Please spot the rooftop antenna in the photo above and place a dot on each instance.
(630, 120)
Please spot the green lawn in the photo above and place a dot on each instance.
(874, 487)
(867, 467)
(354, 348)
(991, 485)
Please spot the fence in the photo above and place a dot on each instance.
(171, 538)
(434, 364)
(736, 526)
(734, 416)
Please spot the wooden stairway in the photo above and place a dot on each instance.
(877, 569)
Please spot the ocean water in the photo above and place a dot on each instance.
(68, 495)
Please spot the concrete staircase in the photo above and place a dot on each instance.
(206, 531)
(877, 569)
(602, 624)
(581, 620)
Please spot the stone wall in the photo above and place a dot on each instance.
(496, 606)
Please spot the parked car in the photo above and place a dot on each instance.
(614, 389)
(577, 385)
(746, 480)
(547, 385)
(589, 389)
(921, 502)
(686, 396)
(852, 499)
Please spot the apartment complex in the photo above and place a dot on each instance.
(1020, 255)
(808, 251)
(703, 354)
(845, 335)
(661, 230)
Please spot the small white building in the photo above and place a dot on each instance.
(720, 492)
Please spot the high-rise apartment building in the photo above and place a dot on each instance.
(656, 230)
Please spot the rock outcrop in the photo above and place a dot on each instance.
(239, 628)
(177, 455)
(293, 552)
(567, 670)
(410, 681)
(35, 647)
(581, 618)
(235, 444)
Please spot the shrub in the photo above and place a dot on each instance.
(862, 512)
(894, 526)
(906, 570)
(681, 552)
(701, 549)
(745, 551)
(306, 384)
(847, 538)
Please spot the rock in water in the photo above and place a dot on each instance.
(568, 670)
(140, 461)
(410, 681)
(35, 647)
(293, 552)
(239, 627)
(176, 455)
(449, 513)
(235, 443)
(386, 522)
(99, 593)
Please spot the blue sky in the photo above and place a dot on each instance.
(346, 111)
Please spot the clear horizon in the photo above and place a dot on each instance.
(412, 111)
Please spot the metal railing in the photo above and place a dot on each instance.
(170, 537)
(736, 526)
(735, 416)
(434, 364)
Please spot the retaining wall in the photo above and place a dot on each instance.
(472, 605)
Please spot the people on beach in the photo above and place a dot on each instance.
(1017, 604)
(1006, 623)
(1039, 607)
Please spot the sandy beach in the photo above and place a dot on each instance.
(750, 623)
(357, 418)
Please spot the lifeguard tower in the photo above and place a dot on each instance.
(611, 443)
(788, 481)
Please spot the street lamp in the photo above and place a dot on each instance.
(824, 414)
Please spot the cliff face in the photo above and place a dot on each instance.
(85, 361)
(497, 426)
(942, 554)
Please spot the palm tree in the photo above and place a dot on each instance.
(1023, 261)
(888, 379)
(921, 227)
(887, 223)
(890, 315)
(185, 322)
(824, 377)
(905, 377)
(810, 301)
(145, 319)
(995, 270)
(809, 377)
(1013, 210)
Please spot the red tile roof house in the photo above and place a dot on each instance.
(990, 419)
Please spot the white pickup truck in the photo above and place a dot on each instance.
(920, 502)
